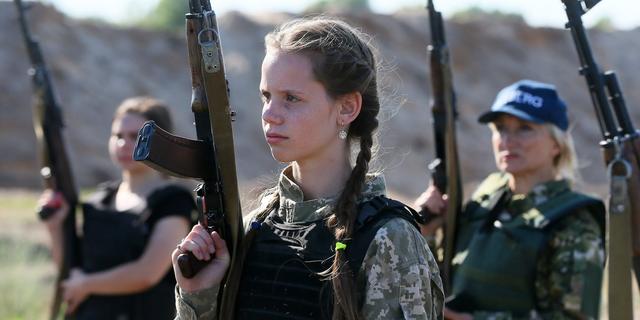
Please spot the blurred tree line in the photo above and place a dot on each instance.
(169, 14)
(327, 5)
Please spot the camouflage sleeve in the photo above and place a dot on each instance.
(199, 305)
(570, 279)
(569, 276)
(402, 280)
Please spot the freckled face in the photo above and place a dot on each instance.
(299, 118)
(124, 132)
(522, 147)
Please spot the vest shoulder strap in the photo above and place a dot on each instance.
(104, 192)
(567, 203)
(373, 214)
(489, 186)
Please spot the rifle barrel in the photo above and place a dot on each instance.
(589, 69)
(617, 102)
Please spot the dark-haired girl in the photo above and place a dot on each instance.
(129, 229)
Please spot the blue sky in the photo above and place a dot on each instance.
(625, 14)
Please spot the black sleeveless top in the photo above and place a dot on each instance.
(111, 238)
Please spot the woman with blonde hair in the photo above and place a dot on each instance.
(527, 246)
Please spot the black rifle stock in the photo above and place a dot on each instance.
(445, 169)
(55, 168)
(620, 146)
(211, 158)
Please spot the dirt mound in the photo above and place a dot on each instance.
(94, 66)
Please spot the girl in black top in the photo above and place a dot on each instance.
(129, 228)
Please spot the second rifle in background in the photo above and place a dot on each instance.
(55, 168)
(445, 169)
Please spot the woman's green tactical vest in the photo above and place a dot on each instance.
(496, 259)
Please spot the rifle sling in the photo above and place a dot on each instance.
(618, 243)
(220, 116)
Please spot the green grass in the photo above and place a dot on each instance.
(26, 270)
(27, 280)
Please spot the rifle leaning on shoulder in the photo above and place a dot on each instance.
(445, 169)
(55, 168)
(211, 158)
(620, 146)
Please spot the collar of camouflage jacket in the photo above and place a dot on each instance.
(293, 208)
(539, 194)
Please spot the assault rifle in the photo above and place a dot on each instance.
(211, 158)
(445, 169)
(620, 146)
(54, 162)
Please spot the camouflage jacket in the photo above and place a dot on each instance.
(575, 257)
(402, 280)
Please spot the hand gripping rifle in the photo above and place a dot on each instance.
(211, 158)
(620, 146)
(445, 169)
(54, 162)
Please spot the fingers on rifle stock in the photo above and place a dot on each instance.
(199, 242)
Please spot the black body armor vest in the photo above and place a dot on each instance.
(281, 272)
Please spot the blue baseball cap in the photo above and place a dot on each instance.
(531, 101)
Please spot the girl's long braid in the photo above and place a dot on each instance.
(346, 300)
(343, 221)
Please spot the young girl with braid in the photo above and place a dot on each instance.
(325, 242)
